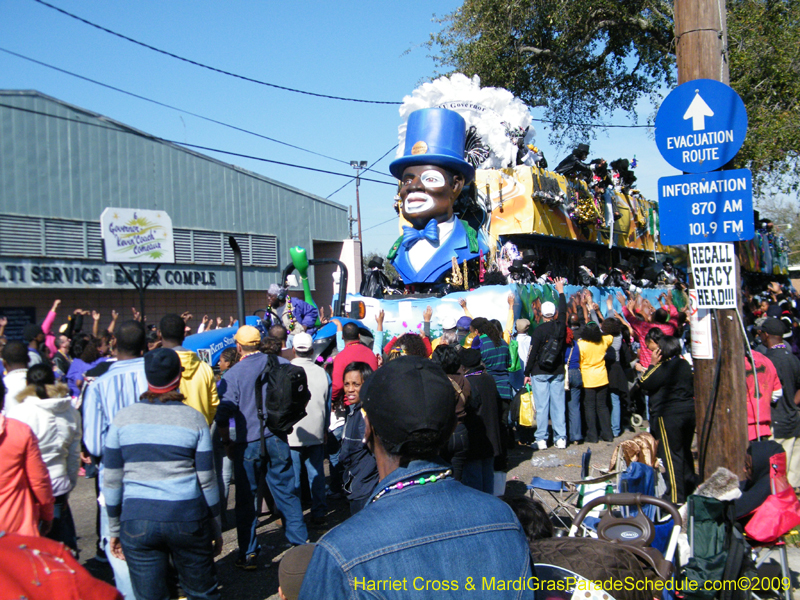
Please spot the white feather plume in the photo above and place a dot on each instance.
(491, 110)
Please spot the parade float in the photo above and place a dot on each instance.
(482, 217)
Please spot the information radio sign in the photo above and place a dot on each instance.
(707, 207)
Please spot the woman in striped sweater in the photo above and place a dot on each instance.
(160, 489)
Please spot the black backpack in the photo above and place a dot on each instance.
(287, 395)
(550, 353)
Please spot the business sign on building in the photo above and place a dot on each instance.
(700, 126)
(713, 268)
(132, 235)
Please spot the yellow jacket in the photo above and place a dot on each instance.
(198, 385)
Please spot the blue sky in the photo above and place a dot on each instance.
(366, 50)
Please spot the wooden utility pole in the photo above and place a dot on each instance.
(700, 29)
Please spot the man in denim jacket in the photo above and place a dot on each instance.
(423, 534)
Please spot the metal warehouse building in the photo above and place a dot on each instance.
(61, 166)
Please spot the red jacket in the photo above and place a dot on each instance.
(40, 569)
(354, 351)
(26, 496)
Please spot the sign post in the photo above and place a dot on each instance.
(140, 237)
(700, 127)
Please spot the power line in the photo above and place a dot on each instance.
(379, 224)
(288, 89)
(182, 110)
(598, 125)
(204, 66)
(365, 170)
(178, 143)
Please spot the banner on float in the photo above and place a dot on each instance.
(713, 268)
(700, 323)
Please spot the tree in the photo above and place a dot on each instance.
(764, 51)
(785, 215)
(580, 60)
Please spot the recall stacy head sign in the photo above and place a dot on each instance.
(131, 235)
(713, 268)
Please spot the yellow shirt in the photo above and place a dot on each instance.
(593, 362)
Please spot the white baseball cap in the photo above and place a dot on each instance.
(302, 342)
(548, 309)
(449, 323)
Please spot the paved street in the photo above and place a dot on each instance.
(263, 583)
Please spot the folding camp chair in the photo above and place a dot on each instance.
(562, 498)
(637, 532)
(771, 521)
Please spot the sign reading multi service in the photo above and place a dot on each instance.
(132, 235)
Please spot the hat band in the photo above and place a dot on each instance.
(174, 384)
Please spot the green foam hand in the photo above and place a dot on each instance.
(300, 262)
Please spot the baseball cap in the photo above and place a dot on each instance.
(464, 323)
(292, 569)
(449, 323)
(548, 309)
(248, 336)
(522, 325)
(162, 367)
(406, 396)
(773, 326)
(302, 342)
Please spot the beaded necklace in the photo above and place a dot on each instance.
(780, 346)
(404, 484)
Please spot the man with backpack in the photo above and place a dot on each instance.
(259, 446)
(545, 370)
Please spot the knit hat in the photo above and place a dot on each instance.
(162, 367)
(470, 358)
(292, 569)
(408, 395)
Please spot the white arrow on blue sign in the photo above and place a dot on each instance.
(707, 207)
(700, 126)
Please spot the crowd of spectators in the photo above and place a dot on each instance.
(387, 414)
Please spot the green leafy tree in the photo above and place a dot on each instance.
(580, 60)
(785, 215)
(764, 50)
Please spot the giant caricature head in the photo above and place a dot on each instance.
(429, 192)
(432, 170)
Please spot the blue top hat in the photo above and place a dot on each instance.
(435, 136)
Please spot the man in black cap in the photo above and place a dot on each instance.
(421, 530)
(575, 165)
(785, 412)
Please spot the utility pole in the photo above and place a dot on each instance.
(358, 165)
(701, 33)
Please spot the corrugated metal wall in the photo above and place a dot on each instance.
(51, 166)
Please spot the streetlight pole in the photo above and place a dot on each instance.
(358, 165)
